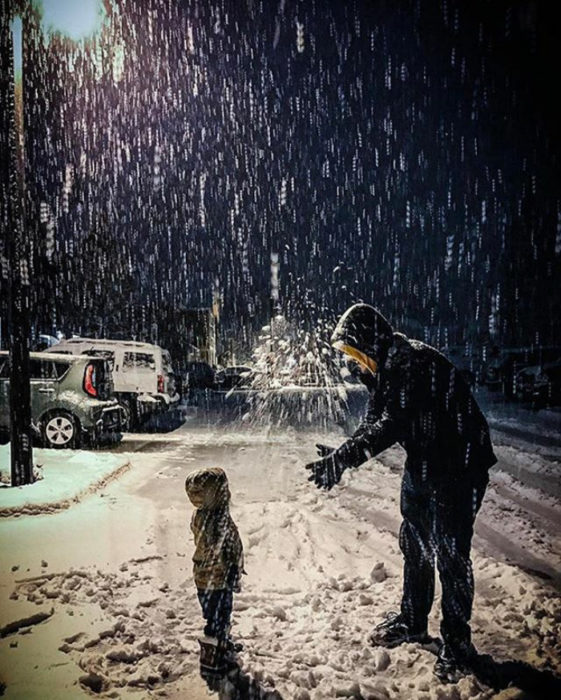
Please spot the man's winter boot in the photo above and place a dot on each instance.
(393, 632)
(452, 664)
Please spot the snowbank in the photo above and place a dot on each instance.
(68, 476)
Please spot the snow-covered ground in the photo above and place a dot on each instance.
(63, 478)
(519, 420)
(112, 576)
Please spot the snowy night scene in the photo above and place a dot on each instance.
(280, 349)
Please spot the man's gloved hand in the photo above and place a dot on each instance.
(324, 450)
(326, 472)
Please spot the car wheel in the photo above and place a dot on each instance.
(126, 417)
(131, 418)
(60, 430)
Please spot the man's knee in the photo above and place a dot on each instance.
(453, 557)
(416, 543)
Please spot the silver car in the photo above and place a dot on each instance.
(71, 400)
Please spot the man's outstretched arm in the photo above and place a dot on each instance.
(371, 415)
(367, 442)
(383, 424)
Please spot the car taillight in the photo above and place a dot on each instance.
(89, 381)
(160, 383)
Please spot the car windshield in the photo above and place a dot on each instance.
(138, 360)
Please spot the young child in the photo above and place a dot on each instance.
(218, 559)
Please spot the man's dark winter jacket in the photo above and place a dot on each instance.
(417, 399)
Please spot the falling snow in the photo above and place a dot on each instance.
(192, 140)
(268, 163)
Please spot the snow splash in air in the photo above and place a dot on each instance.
(297, 379)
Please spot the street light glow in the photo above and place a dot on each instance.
(76, 19)
(17, 34)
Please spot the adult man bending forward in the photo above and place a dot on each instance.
(419, 400)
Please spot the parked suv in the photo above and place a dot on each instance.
(70, 399)
(143, 378)
(504, 365)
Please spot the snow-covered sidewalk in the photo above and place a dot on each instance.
(66, 478)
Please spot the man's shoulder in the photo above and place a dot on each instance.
(406, 351)
(401, 349)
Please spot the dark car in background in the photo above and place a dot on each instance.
(71, 400)
(540, 384)
(504, 366)
(238, 377)
(198, 375)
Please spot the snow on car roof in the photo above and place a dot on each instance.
(53, 356)
(109, 342)
(60, 356)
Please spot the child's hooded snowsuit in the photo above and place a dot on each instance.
(218, 558)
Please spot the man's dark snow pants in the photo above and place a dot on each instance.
(438, 521)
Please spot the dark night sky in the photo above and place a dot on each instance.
(405, 154)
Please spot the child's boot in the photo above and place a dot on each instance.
(232, 646)
(212, 654)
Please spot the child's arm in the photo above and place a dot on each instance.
(232, 554)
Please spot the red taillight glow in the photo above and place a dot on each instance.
(89, 381)
(160, 383)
